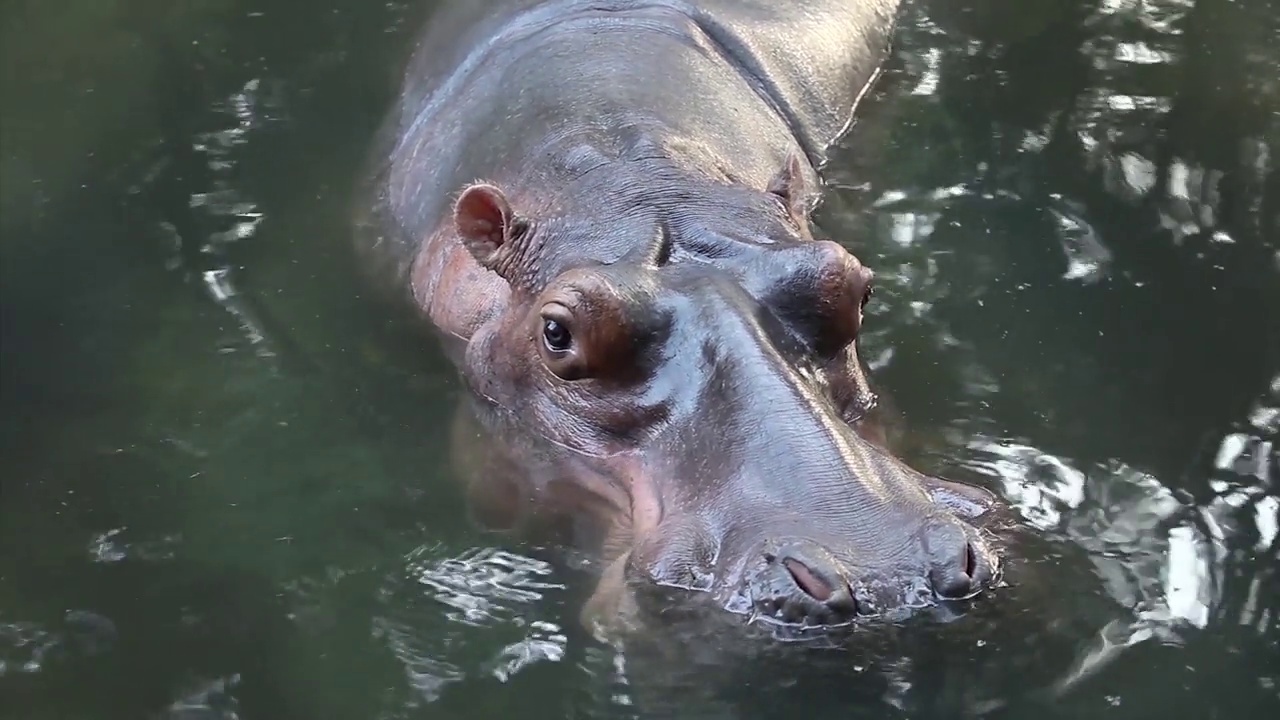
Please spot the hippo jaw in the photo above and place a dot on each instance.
(712, 374)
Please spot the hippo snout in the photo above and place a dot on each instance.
(805, 583)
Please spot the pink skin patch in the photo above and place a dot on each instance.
(807, 581)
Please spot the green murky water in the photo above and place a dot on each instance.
(226, 486)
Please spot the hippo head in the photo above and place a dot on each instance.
(698, 364)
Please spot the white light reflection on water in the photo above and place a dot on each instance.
(544, 642)
(1252, 461)
(1088, 257)
(498, 592)
(221, 207)
(110, 547)
(23, 646)
(1116, 513)
(1155, 553)
(225, 204)
(207, 700)
(912, 217)
(929, 79)
(27, 647)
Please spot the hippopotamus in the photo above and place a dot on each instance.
(604, 209)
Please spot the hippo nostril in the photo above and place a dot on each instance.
(954, 579)
(802, 585)
(805, 578)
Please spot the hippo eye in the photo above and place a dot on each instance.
(556, 336)
(561, 352)
(866, 297)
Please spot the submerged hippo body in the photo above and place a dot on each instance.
(604, 207)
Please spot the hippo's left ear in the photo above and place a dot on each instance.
(487, 226)
(790, 185)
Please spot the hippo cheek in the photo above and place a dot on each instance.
(681, 554)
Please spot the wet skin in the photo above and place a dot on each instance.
(605, 209)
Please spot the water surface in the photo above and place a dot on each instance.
(227, 487)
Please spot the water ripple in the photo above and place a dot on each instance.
(218, 214)
(445, 615)
(27, 647)
(23, 646)
(207, 700)
(108, 547)
(1162, 555)
(544, 642)
(484, 585)
(1148, 556)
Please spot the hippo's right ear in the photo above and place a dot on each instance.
(484, 220)
(792, 188)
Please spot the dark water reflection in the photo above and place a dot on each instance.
(227, 488)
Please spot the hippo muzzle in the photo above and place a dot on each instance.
(771, 501)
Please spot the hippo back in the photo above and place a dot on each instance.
(495, 88)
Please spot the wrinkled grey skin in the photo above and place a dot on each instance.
(604, 207)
